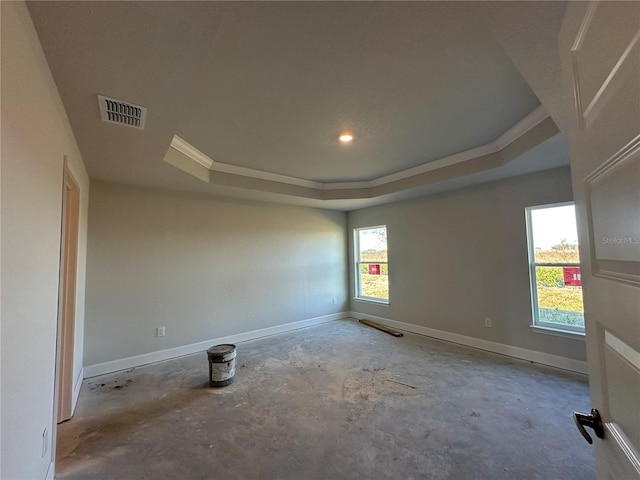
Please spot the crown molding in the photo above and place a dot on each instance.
(459, 157)
(190, 151)
(514, 133)
(536, 117)
(196, 155)
(262, 175)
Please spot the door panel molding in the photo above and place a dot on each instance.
(577, 46)
(590, 101)
(625, 446)
(614, 80)
(617, 179)
(625, 351)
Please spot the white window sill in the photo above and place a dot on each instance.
(558, 332)
(382, 303)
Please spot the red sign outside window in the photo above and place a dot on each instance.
(572, 276)
(374, 269)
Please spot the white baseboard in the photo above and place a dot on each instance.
(551, 360)
(76, 390)
(557, 361)
(152, 357)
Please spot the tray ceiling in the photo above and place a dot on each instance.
(263, 89)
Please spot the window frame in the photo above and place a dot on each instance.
(357, 263)
(548, 327)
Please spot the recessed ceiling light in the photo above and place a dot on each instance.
(345, 137)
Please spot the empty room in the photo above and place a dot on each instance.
(320, 240)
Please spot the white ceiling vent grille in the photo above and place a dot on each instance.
(123, 113)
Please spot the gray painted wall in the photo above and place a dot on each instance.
(35, 138)
(203, 268)
(461, 256)
(207, 267)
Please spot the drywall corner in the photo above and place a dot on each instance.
(35, 137)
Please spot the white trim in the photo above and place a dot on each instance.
(518, 130)
(190, 151)
(558, 332)
(459, 157)
(158, 356)
(557, 361)
(625, 351)
(262, 175)
(196, 155)
(348, 185)
(51, 471)
(76, 390)
(380, 303)
(523, 126)
(584, 26)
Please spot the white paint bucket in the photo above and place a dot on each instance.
(222, 365)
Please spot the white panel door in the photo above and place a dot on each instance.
(600, 49)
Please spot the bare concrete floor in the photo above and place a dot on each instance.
(337, 401)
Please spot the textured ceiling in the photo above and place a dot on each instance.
(414, 83)
(269, 85)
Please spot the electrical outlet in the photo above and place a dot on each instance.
(487, 322)
(334, 301)
(160, 332)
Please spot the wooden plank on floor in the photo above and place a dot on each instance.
(382, 328)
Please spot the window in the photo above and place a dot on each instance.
(371, 262)
(554, 268)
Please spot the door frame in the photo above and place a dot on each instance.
(67, 295)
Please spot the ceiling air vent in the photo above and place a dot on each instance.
(123, 113)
